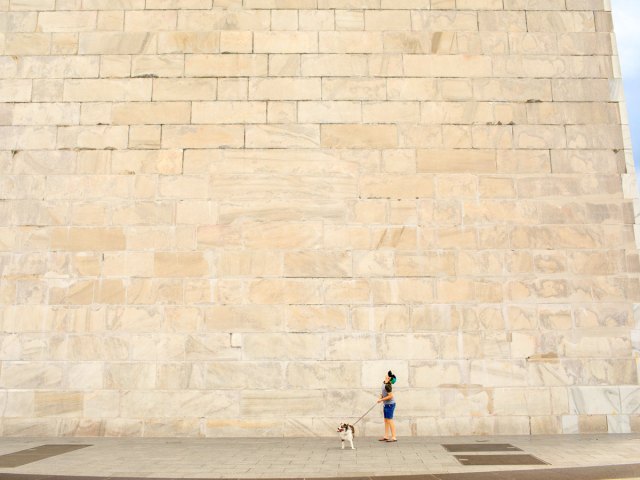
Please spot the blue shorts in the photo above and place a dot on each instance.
(388, 411)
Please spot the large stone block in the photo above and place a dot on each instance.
(314, 264)
(30, 375)
(28, 137)
(317, 374)
(158, 404)
(202, 136)
(117, 43)
(278, 403)
(174, 89)
(188, 42)
(76, 239)
(350, 347)
(228, 65)
(350, 42)
(397, 186)
(245, 318)
(46, 113)
(595, 400)
(354, 88)
(300, 346)
(180, 264)
(223, 19)
(282, 136)
(284, 89)
(229, 112)
(281, 235)
(445, 161)
(151, 113)
(82, 90)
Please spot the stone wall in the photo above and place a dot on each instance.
(232, 217)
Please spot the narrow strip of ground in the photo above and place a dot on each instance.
(605, 472)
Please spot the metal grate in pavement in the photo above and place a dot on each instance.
(480, 447)
(515, 459)
(35, 454)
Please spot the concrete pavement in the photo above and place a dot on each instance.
(241, 458)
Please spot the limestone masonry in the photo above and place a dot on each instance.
(232, 217)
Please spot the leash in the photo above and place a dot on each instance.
(365, 413)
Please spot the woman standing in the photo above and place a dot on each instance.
(389, 406)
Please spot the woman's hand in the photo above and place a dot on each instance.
(379, 400)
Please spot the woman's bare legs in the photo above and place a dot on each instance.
(387, 429)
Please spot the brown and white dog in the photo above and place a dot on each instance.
(346, 432)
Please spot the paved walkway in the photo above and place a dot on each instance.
(321, 457)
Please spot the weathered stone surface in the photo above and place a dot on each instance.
(215, 215)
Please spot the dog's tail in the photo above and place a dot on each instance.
(353, 430)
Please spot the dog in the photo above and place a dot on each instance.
(347, 433)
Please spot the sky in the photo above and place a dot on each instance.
(626, 18)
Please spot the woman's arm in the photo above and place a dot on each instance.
(384, 399)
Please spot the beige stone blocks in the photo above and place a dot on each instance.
(187, 264)
(329, 112)
(333, 65)
(142, 21)
(354, 89)
(411, 89)
(223, 19)
(350, 42)
(89, 137)
(87, 239)
(273, 403)
(15, 90)
(461, 161)
(202, 136)
(285, 42)
(31, 375)
(444, 21)
(278, 346)
(560, 21)
(117, 43)
(229, 65)
(188, 42)
(165, 66)
(573, 90)
(512, 90)
(275, 235)
(28, 137)
(270, 199)
(398, 112)
(46, 113)
(317, 318)
(397, 186)
(264, 187)
(311, 264)
(185, 89)
(359, 136)
(130, 90)
(150, 113)
(66, 21)
(282, 136)
(284, 89)
(27, 44)
(447, 66)
(229, 112)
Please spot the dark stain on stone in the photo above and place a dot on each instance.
(435, 42)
